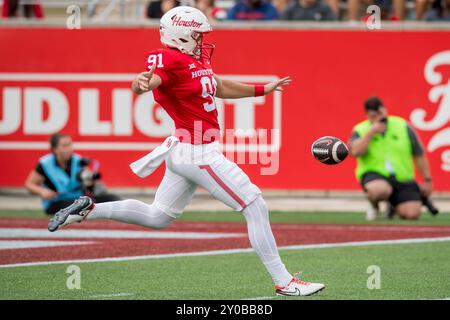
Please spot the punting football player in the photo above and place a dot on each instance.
(183, 83)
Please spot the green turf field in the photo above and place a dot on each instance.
(419, 271)
(408, 271)
(275, 217)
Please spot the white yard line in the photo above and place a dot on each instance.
(27, 244)
(111, 234)
(367, 243)
(232, 251)
(122, 294)
(130, 258)
(261, 298)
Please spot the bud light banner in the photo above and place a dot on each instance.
(78, 82)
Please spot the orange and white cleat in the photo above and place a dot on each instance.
(298, 287)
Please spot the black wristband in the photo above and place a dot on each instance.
(428, 179)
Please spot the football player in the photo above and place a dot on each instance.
(183, 83)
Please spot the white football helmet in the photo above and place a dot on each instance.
(183, 28)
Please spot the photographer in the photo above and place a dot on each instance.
(62, 176)
(387, 150)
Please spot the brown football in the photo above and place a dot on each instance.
(329, 150)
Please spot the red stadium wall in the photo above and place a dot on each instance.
(54, 80)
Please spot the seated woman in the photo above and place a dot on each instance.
(62, 176)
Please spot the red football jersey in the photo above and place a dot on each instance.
(187, 94)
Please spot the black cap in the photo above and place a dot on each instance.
(373, 103)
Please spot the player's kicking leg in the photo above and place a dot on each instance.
(173, 194)
(229, 184)
(262, 240)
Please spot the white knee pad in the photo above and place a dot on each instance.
(158, 218)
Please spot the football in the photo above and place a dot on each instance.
(329, 150)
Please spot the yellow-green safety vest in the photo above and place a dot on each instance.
(388, 154)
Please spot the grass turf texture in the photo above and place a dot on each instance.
(412, 271)
(408, 271)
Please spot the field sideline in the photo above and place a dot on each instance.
(215, 262)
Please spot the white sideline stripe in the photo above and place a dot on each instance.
(25, 244)
(261, 298)
(367, 243)
(231, 251)
(122, 294)
(110, 234)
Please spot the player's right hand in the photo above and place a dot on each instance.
(48, 194)
(143, 79)
(378, 127)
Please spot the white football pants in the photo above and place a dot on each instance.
(189, 166)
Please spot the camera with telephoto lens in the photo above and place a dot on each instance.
(429, 205)
(88, 178)
(384, 121)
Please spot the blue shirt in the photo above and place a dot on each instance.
(242, 11)
(66, 183)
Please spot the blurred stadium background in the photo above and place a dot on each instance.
(60, 76)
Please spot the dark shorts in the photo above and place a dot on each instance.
(58, 205)
(401, 191)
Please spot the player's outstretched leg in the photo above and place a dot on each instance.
(172, 196)
(127, 211)
(263, 242)
(76, 212)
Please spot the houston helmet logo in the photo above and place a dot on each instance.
(177, 21)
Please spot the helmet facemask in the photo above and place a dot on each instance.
(202, 51)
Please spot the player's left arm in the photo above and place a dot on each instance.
(228, 89)
(424, 168)
(421, 161)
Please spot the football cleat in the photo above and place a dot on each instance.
(372, 213)
(390, 213)
(76, 212)
(298, 287)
